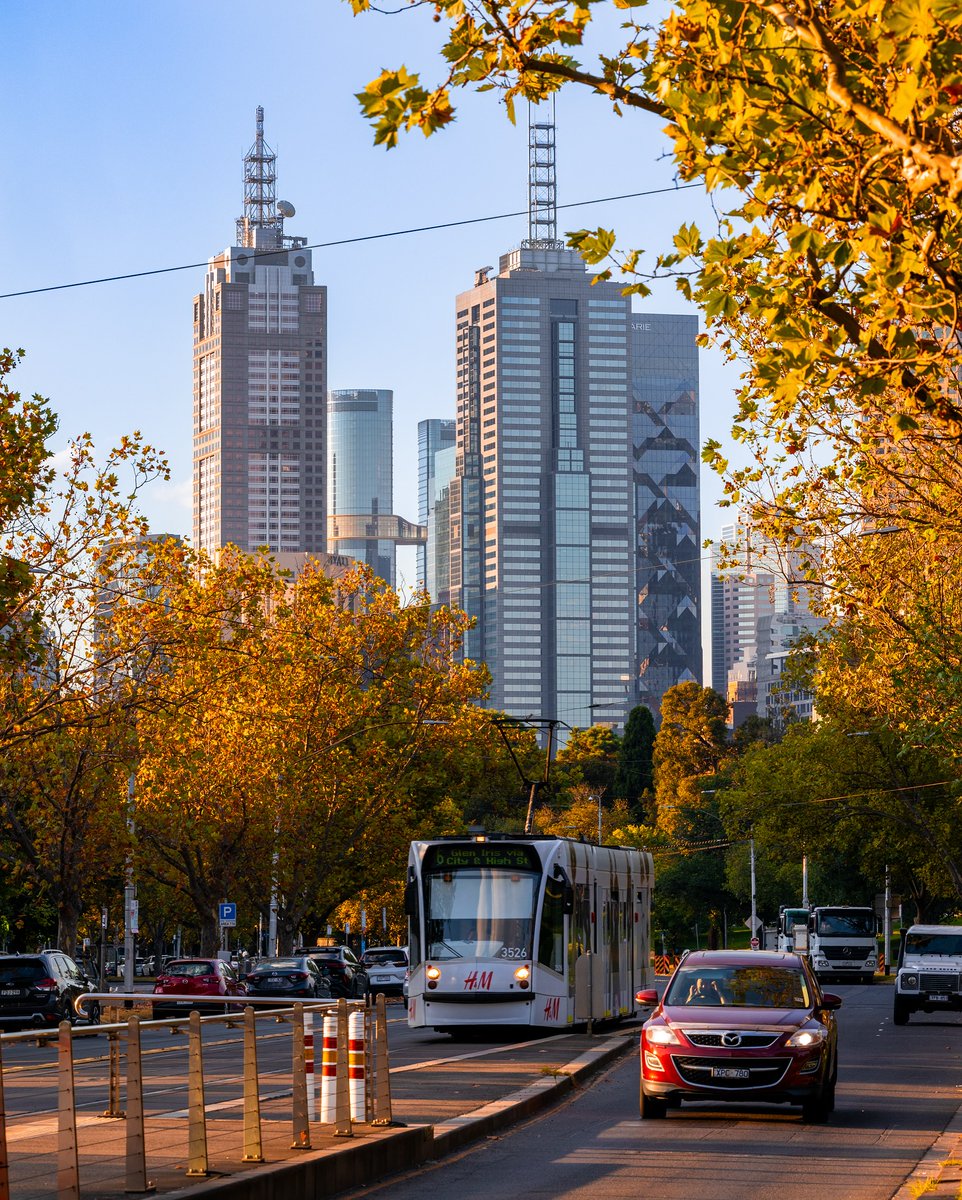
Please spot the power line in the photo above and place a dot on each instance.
(351, 241)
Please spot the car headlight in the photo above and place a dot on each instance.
(661, 1035)
(810, 1036)
(909, 983)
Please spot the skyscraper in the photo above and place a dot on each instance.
(434, 436)
(260, 382)
(361, 470)
(541, 549)
(665, 447)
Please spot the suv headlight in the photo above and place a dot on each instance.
(661, 1035)
(811, 1035)
(909, 982)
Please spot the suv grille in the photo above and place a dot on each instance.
(751, 1041)
(762, 1072)
(935, 981)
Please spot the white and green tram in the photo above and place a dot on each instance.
(513, 930)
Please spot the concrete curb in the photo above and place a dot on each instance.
(375, 1154)
(945, 1179)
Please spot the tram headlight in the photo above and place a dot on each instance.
(433, 973)
(523, 976)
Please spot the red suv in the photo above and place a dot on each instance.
(740, 1026)
(194, 977)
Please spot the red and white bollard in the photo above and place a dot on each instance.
(329, 1069)
(355, 1069)
(309, 1066)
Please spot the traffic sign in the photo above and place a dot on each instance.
(755, 943)
(757, 926)
(227, 913)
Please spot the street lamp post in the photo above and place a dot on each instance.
(598, 799)
(755, 937)
(130, 895)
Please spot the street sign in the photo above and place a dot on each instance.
(758, 924)
(755, 943)
(227, 913)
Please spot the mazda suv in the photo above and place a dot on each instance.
(740, 1027)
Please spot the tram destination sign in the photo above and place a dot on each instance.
(481, 854)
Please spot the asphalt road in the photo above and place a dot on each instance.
(898, 1087)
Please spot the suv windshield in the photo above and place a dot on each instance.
(740, 987)
(934, 943)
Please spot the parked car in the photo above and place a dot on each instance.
(195, 977)
(296, 975)
(740, 1026)
(347, 974)
(40, 989)
(386, 967)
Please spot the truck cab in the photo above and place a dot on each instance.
(792, 930)
(929, 974)
(841, 943)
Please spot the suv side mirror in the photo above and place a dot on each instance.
(647, 998)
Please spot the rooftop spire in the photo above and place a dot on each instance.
(542, 188)
(260, 203)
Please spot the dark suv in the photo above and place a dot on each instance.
(347, 975)
(740, 1026)
(40, 989)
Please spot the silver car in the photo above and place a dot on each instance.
(386, 968)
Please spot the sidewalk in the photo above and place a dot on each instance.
(437, 1109)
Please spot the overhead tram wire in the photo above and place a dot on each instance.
(351, 241)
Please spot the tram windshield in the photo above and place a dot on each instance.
(480, 912)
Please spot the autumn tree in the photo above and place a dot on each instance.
(294, 733)
(589, 756)
(828, 138)
(690, 748)
(25, 426)
(66, 542)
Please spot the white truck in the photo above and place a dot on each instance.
(929, 977)
(841, 943)
(793, 930)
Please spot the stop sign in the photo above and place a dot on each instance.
(755, 943)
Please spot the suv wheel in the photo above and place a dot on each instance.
(816, 1110)
(652, 1108)
(902, 1009)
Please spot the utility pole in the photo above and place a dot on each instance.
(754, 910)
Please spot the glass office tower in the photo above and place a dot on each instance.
(361, 470)
(665, 463)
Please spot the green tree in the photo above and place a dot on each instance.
(589, 756)
(635, 774)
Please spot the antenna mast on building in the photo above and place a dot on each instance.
(260, 206)
(542, 186)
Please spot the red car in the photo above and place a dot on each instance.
(740, 1027)
(195, 977)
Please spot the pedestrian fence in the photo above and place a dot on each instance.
(353, 1084)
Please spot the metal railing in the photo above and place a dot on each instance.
(354, 1064)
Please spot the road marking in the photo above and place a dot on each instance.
(439, 1062)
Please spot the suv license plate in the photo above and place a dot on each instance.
(932, 995)
(730, 1073)
(10, 992)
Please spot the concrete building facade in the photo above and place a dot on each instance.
(260, 382)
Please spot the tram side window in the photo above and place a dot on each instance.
(551, 936)
(412, 904)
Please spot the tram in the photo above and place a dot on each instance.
(515, 930)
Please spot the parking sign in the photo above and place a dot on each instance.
(228, 914)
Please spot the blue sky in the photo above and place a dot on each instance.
(125, 127)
